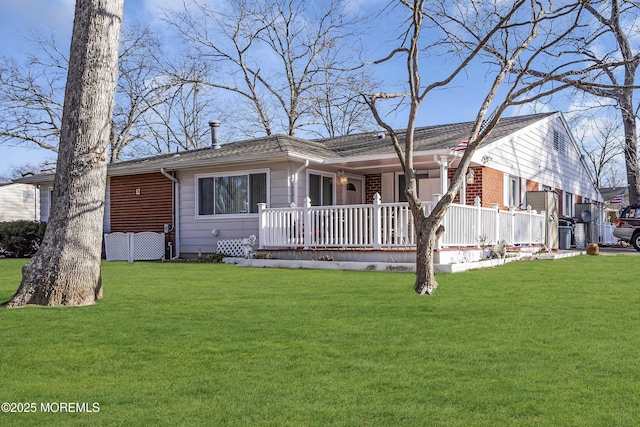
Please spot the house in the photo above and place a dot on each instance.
(616, 198)
(200, 197)
(19, 202)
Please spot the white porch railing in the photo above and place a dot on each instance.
(388, 225)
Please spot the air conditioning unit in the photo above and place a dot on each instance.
(585, 212)
(587, 230)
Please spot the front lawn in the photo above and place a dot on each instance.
(545, 343)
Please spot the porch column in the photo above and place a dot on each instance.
(443, 162)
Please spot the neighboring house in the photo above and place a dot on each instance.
(204, 195)
(615, 198)
(19, 202)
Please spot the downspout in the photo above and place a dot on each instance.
(175, 207)
(295, 182)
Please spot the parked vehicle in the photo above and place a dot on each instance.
(628, 226)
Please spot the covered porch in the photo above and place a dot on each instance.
(389, 228)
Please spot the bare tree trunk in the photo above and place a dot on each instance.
(630, 149)
(66, 269)
(427, 235)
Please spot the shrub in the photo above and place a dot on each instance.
(215, 258)
(20, 238)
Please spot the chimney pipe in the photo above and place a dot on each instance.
(215, 144)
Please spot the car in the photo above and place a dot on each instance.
(628, 226)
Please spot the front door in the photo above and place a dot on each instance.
(354, 191)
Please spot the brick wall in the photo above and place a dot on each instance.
(492, 188)
(475, 189)
(488, 185)
(140, 203)
(373, 185)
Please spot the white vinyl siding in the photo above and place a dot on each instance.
(196, 231)
(19, 202)
(530, 154)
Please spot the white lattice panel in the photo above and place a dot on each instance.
(145, 246)
(148, 246)
(116, 246)
(231, 247)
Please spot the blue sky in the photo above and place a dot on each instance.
(18, 19)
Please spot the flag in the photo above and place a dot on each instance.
(619, 198)
(461, 146)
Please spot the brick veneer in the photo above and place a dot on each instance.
(488, 185)
(373, 185)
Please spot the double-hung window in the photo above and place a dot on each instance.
(231, 194)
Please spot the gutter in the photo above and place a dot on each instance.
(175, 207)
(119, 169)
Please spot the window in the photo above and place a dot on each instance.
(231, 194)
(320, 189)
(402, 184)
(567, 209)
(514, 191)
(558, 142)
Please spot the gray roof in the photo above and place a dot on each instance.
(264, 147)
(427, 138)
(438, 137)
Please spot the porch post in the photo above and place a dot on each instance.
(306, 213)
(376, 226)
(477, 203)
(444, 166)
(496, 213)
(512, 229)
(262, 224)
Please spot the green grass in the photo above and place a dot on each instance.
(544, 343)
